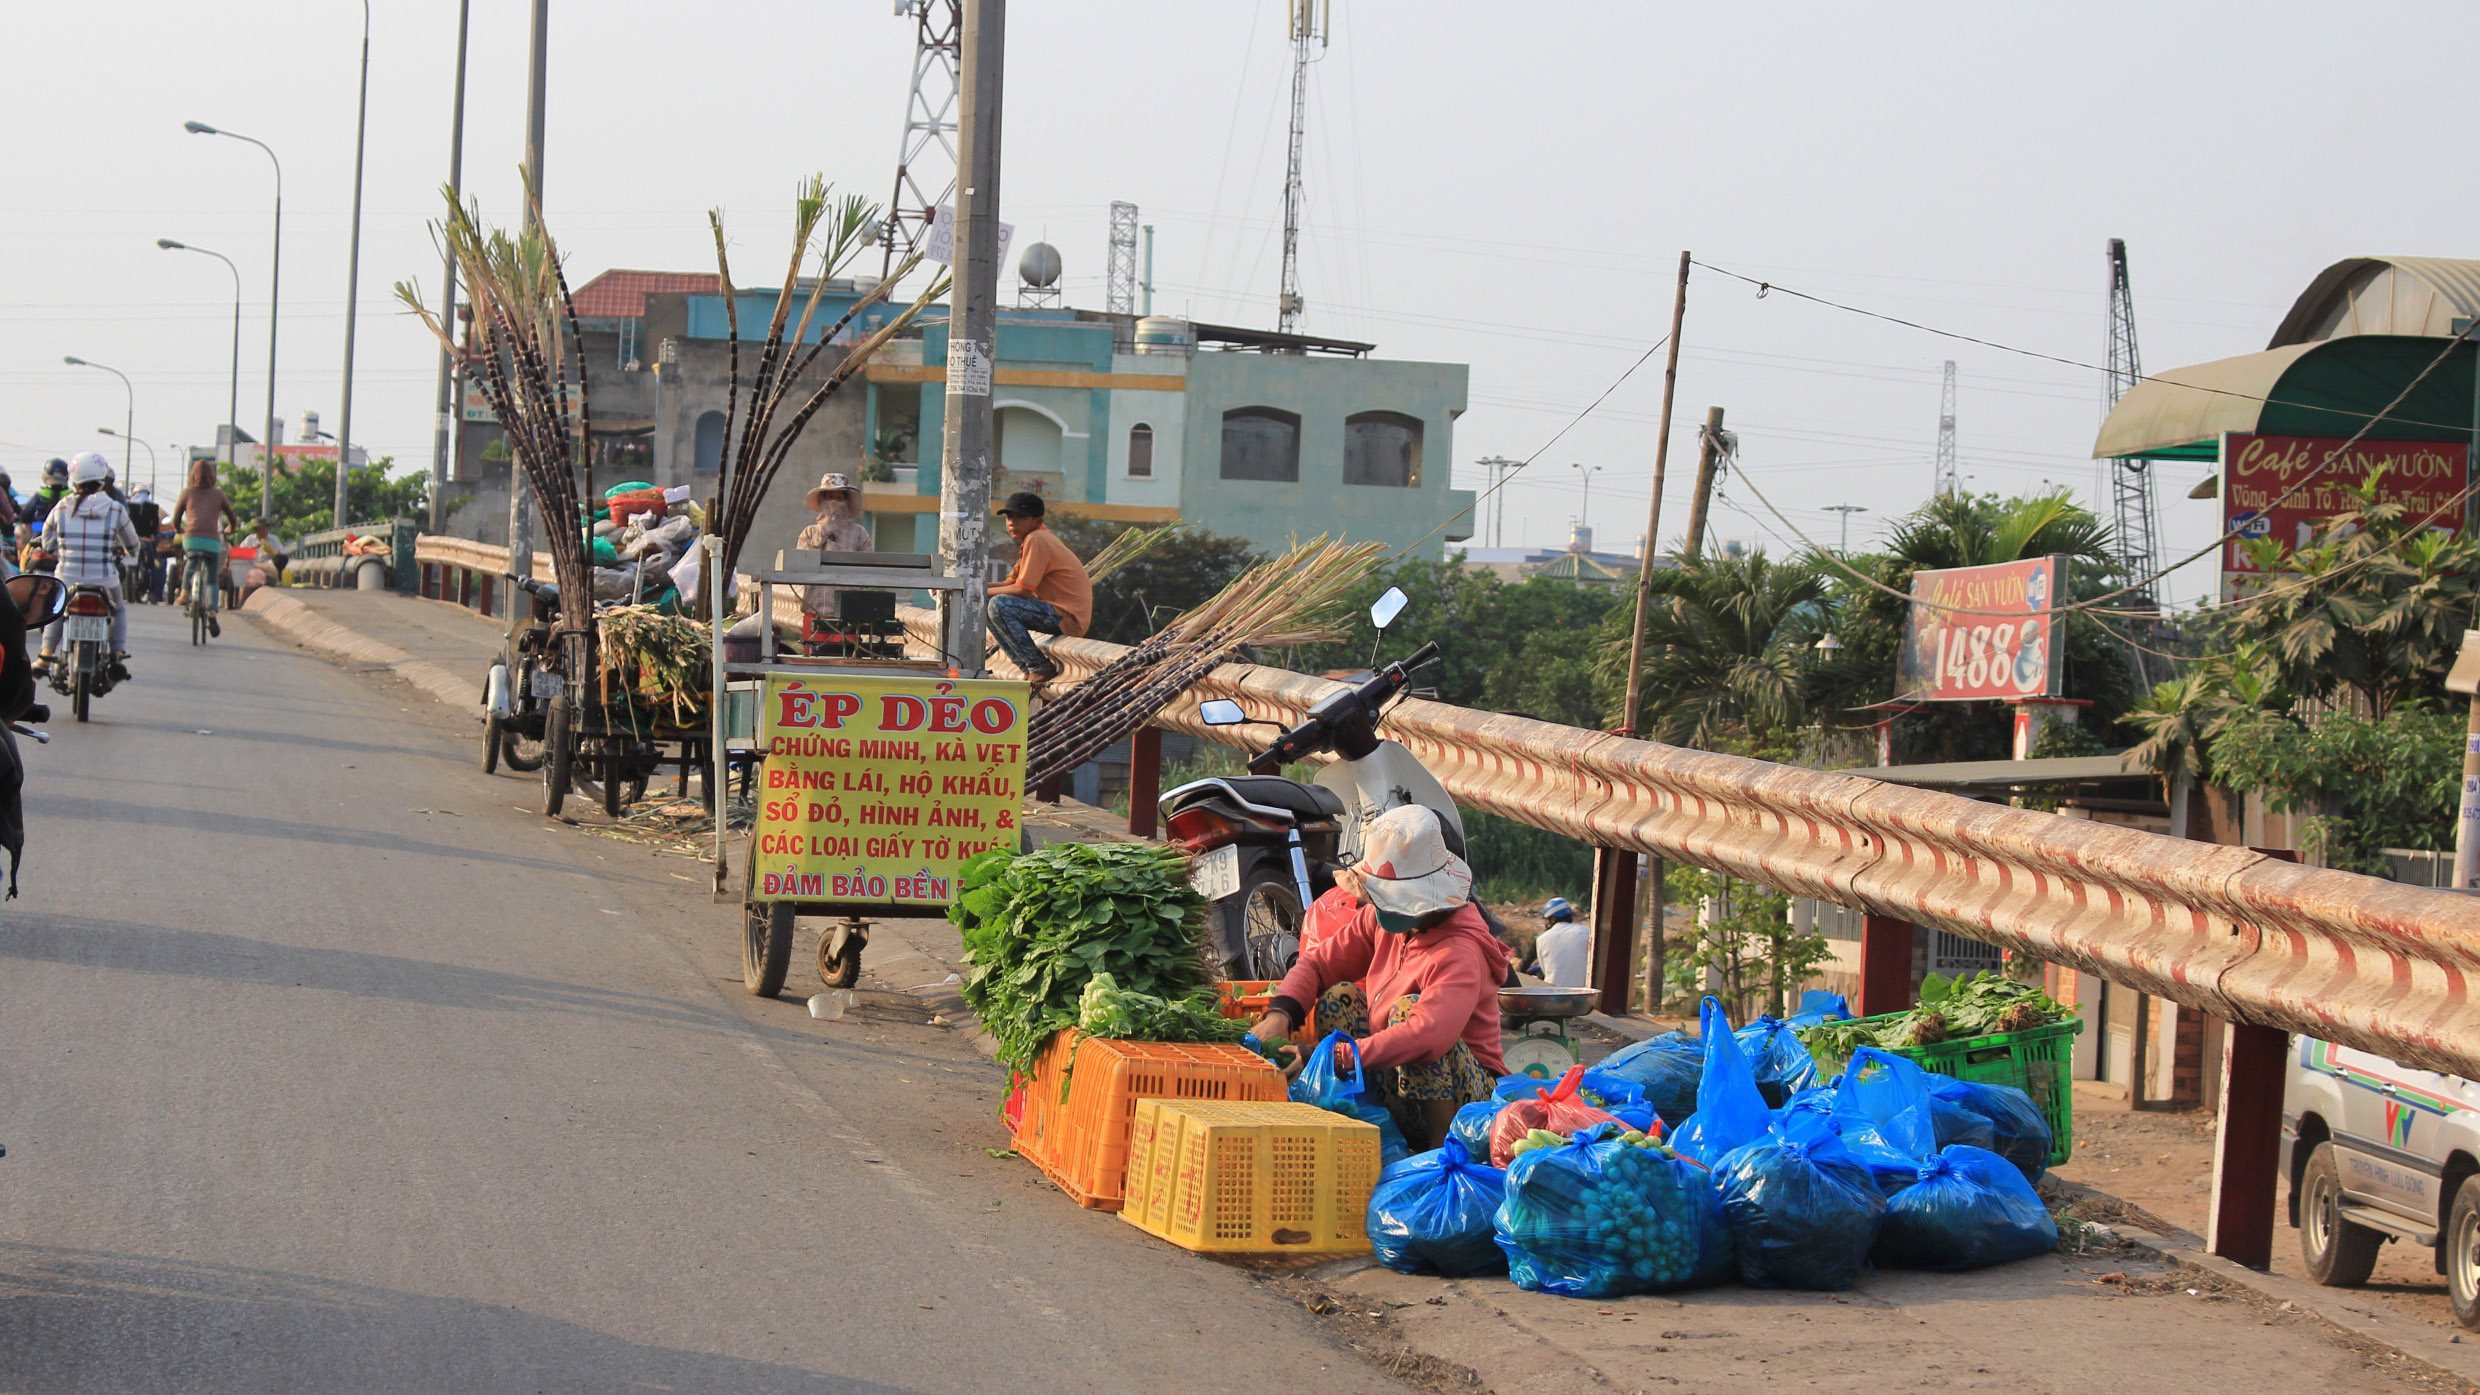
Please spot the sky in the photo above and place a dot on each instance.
(1501, 186)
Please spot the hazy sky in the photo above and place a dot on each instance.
(1498, 185)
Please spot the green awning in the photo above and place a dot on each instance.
(2331, 388)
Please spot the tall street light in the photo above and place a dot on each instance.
(133, 464)
(443, 436)
(131, 420)
(275, 266)
(1846, 510)
(353, 283)
(1584, 516)
(232, 396)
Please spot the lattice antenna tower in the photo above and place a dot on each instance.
(927, 158)
(1121, 279)
(1308, 32)
(1945, 483)
(2137, 514)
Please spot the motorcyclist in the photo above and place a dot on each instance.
(88, 532)
(30, 519)
(1564, 949)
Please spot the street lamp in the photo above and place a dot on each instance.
(275, 266)
(149, 447)
(353, 282)
(1846, 510)
(232, 396)
(1584, 516)
(132, 418)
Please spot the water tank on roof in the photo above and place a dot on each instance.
(1039, 266)
(1580, 538)
(1165, 334)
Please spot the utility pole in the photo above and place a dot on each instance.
(352, 287)
(444, 434)
(520, 521)
(1498, 466)
(1846, 510)
(1711, 447)
(964, 452)
(1308, 30)
(1653, 511)
(1945, 468)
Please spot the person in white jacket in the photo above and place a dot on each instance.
(89, 532)
(1563, 952)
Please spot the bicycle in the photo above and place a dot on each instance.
(199, 572)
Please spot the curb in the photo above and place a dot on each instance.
(297, 622)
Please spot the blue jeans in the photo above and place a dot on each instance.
(1012, 619)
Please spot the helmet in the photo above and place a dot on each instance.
(1558, 908)
(89, 468)
(56, 470)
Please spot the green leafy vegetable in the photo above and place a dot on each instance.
(1038, 927)
(1976, 1005)
(1108, 1010)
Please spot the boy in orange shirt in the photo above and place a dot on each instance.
(1047, 590)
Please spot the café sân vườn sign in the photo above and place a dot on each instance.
(875, 790)
(1982, 633)
(2426, 477)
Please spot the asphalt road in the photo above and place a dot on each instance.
(326, 1064)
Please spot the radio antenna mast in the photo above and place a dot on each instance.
(1308, 31)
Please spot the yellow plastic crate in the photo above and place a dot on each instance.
(1232, 1177)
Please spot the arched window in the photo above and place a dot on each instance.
(1141, 452)
(710, 441)
(1382, 448)
(1261, 443)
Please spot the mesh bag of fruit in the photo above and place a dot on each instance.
(1436, 1213)
(1802, 1211)
(1970, 1208)
(1609, 1212)
(1556, 1111)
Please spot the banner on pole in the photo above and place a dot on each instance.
(1982, 634)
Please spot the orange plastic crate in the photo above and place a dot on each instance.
(1081, 1142)
(1246, 1000)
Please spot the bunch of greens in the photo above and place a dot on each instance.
(1039, 926)
(1976, 1005)
(1108, 1010)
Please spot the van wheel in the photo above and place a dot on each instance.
(2339, 1253)
(2461, 1252)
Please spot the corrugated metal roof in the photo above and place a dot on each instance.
(2195, 403)
(2425, 296)
(2003, 774)
(621, 295)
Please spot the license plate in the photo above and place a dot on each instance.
(1217, 874)
(549, 685)
(89, 629)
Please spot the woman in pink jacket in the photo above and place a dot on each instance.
(1409, 938)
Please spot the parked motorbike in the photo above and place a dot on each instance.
(519, 691)
(85, 668)
(1266, 845)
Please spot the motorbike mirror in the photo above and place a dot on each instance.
(1221, 712)
(1388, 607)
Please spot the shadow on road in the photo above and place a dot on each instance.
(84, 1320)
(113, 812)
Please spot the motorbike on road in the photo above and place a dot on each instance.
(1266, 845)
(85, 668)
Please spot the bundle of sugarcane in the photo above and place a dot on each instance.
(522, 349)
(1297, 598)
(755, 442)
(660, 661)
(1128, 547)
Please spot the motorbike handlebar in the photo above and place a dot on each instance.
(1315, 734)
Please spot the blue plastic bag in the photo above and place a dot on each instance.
(1667, 1068)
(1803, 1212)
(1969, 1208)
(2017, 1129)
(1596, 1217)
(1730, 1110)
(1622, 1098)
(1437, 1213)
(1817, 1005)
(1472, 1126)
(1319, 1083)
(1782, 1065)
(1883, 1112)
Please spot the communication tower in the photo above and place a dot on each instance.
(927, 159)
(1308, 31)
(1946, 433)
(1121, 279)
(2138, 517)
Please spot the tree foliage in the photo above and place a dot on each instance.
(1726, 649)
(305, 493)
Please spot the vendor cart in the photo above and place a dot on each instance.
(876, 775)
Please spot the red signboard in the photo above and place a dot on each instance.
(1981, 634)
(2426, 477)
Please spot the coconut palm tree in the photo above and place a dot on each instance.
(1725, 649)
(1966, 530)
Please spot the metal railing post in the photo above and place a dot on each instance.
(1614, 927)
(2247, 1147)
(1885, 964)
(1144, 780)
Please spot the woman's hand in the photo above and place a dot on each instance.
(1272, 1028)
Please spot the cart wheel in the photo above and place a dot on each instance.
(493, 734)
(844, 970)
(558, 755)
(766, 946)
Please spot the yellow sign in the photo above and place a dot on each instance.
(876, 789)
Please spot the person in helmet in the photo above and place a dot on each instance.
(1412, 978)
(1563, 951)
(54, 488)
(89, 532)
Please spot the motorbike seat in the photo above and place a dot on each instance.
(1291, 796)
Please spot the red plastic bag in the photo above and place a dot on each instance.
(1557, 1110)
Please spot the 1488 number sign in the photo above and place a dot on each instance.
(1980, 634)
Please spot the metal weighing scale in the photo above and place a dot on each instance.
(1538, 1018)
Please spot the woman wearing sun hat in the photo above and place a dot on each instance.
(838, 529)
(1417, 945)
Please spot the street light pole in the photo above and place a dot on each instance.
(352, 286)
(232, 395)
(1846, 510)
(133, 465)
(130, 421)
(443, 434)
(1584, 515)
(275, 267)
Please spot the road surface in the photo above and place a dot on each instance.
(330, 1065)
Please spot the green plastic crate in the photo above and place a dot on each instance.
(2038, 1061)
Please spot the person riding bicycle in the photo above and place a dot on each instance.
(199, 514)
(89, 532)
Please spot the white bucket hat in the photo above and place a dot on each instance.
(1406, 867)
(830, 483)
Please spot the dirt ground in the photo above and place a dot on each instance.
(2162, 1164)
